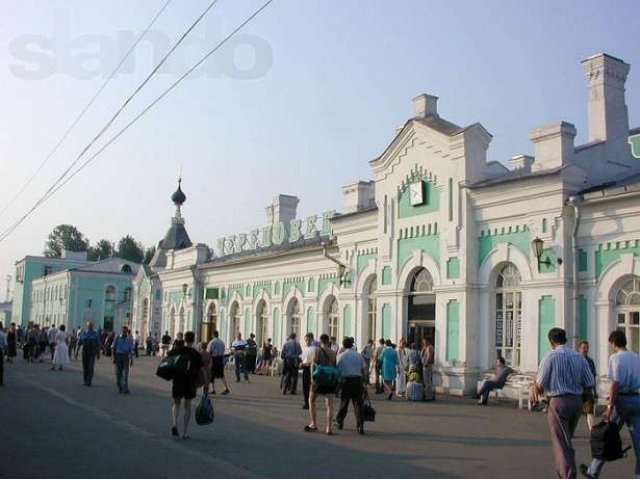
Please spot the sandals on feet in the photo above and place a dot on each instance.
(310, 428)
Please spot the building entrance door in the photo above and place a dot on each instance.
(420, 329)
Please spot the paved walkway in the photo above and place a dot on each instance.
(53, 426)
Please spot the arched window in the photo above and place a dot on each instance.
(371, 308)
(110, 294)
(234, 316)
(421, 310)
(628, 312)
(262, 323)
(508, 314)
(332, 318)
(294, 317)
(126, 268)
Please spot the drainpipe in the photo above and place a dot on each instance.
(342, 268)
(575, 201)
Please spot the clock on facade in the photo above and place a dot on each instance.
(416, 193)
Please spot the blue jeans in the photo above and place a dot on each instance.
(627, 410)
(239, 359)
(122, 372)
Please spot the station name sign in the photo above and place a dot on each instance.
(277, 234)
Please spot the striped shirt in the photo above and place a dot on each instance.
(564, 372)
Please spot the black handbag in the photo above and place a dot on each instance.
(368, 412)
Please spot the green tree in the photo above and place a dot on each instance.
(148, 254)
(103, 249)
(65, 237)
(130, 250)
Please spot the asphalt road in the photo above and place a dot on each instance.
(54, 427)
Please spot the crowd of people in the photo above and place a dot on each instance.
(565, 381)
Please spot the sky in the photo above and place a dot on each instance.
(299, 102)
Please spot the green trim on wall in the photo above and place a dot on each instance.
(546, 321)
(311, 321)
(276, 327)
(290, 283)
(363, 260)
(428, 244)
(583, 260)
(311, 285)
(386, 276)
(610, 252)
(453, 331)
(259, 286)
(347, 323)
(239, 289)
(325, 281)
(584, 318)
(634, 141)
(453, 267)
(386, 321)
(431, 201)
(548, 254)
(518, 236)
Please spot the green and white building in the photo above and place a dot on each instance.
(482, 258)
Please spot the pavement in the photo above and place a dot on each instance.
(54, 427)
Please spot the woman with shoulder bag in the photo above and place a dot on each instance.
(322, 384)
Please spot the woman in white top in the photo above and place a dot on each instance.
(61, 353)
(401, 377)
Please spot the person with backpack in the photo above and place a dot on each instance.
(324, 381)
(624, 398)
(187, 367)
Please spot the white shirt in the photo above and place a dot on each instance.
(307, 355)
(51, 335)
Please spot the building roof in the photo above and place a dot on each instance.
(176, 237)
(109, 265)
(342, 216)
(514, 175)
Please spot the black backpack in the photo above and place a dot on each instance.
(606, 443)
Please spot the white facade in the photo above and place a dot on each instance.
(439, 244)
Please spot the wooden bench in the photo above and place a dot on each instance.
(517, 387)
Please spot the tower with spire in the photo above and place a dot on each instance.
(176, 237)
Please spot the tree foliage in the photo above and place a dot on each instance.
(103, 249)
(65, 237)
(130, 250)
(148, 254)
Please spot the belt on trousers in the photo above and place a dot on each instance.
(628, 394)
(565, 395)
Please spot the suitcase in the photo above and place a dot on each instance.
(415, 392)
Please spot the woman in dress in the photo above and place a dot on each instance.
(61, 353)
(401, 378)
(322, 356)
(390, 368)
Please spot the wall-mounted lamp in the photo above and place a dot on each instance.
(537, 245)
(89, 303)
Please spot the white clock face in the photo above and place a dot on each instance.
(416, 193)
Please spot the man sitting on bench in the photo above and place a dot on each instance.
(496, 383)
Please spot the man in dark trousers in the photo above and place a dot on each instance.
(291, 352)
(352, 368)
(89, 340)
(563, 376)
(496, 383)
(252, 354)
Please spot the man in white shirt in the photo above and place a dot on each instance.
(239, 347)
(308, 352)
(352, 367)
(624, 398)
